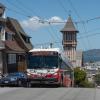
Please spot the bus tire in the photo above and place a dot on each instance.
(29, 84)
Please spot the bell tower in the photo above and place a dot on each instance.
(69, 41)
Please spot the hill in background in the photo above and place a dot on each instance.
(92, 55)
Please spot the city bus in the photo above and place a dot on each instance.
(49, 66)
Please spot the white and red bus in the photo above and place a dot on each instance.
(49, 66)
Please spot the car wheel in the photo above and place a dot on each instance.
(19, 83)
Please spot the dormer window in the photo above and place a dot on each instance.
(9, 36)
(27, 40)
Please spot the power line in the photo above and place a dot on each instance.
(76, 22)
(42, 21)
(23, 9)
(61, 4)
(54, 32)
(16, 6)
(83, 24)
(45, 21)
(95, 18)
(75, 10)
(52, 28)
(28, 8)
(49, 22)
(88, 32)
(19, 13)
(81, 37)
(89, 35)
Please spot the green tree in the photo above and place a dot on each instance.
(97, 79)
(79, 76)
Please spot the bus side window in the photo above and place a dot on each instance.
(60, 62)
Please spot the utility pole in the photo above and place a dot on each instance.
(73, 78)
(51, 45)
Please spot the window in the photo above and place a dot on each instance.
(11, 58)
(0, 28)
(2, 32)
(68, 36)
(27, 40)
(9, 36)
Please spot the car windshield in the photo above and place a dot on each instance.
(15, 74)
(43, 62)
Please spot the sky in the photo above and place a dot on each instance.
(42, 20)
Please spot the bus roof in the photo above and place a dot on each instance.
(46, 49)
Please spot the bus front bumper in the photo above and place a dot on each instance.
(44, 80)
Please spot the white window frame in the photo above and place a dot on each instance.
(11, 58)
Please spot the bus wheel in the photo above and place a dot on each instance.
(29, 84)
(61, 83)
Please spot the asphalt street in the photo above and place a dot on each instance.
(49, 93)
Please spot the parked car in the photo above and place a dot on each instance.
(98, 86)
(16, 79)
(1, 75)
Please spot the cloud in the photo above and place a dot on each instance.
(55, 19)
(36, 22)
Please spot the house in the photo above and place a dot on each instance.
(14, 45)
(92, 68)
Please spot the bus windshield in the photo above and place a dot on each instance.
(43, 62)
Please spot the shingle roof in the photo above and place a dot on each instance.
(13, 45)
(19, 32)
(69, 26)
(9, 31)
(17, 26)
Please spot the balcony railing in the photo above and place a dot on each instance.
(70, 42)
